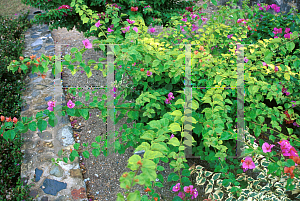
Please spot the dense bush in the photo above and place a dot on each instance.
(11, 85)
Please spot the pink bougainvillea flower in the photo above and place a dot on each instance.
(265, 64)
(203, 19)
(135, 29)
(267, 147)
(267, 7)
(240, 20)
(181, 195)
(229, 36)
(181, 27)
(258, 4)
(184, 19)
(87, 44)
(188, 189)
(167, 101)
(15, 120)
(149, 73)
(109, 29)
(177, 186)
(287, 30)
(194, 193)
(288, 35)
(130, 21)
(248, 163)
(246, 60)
(126, 29)
(194, 27)
(178, 183)
(70, 104)
(152, 30)
(170, 96)
(98, 24)
(276, 68)
(51, 103)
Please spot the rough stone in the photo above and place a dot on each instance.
(75, 173)
(38, 174)
(65, 136)
(52, 187)
(56, 171)
(45, 135)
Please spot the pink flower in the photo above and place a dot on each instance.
(87, 44)
(167, 101)
(194, 193)
(51, 105)
(98, 24)
(188, 189)
(287, 30)
(288, 35)
(170, 96)
(109, 30)
(126, 29)
(229, 36)
(194, 27)
(203, 19)
(177, 186)
(248, 163)
(184, 19)
(266, 147)
(264, 64)
(276, 68)
(181, 195)
(240, 20)
(152, 30)
(135, 29)
(246, 60)
(15, 120)
(149, 73)
(258, 4)
(70, 104)
(130, 21)
(178, 183)
(267, 7)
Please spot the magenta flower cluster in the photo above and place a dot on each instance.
(170, 97)
(65, 7)
(187, 189)
(286, 35)
(51, 104)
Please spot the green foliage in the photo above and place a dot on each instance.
(12, 39)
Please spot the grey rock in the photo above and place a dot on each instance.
(65, 136)
(38, 47)
(37, 42)
(56, 171)
(52, 187)
(45, 135)
(41, 107)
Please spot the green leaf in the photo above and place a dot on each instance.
(42, 125)
(185, 172)
(214, 2)
(78, 56)
(84, 113)
(96, 152)
(32, 126)
(290, 46)
(74, 49)
(289, 163)
(86, 154)
(287, 76)
(174, 141)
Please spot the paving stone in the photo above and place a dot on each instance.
(52, 187)
(45, 135)
(56, 171)
(38, 174)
